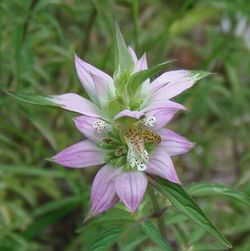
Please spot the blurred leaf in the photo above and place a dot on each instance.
(207, 189)
(47, 220)
(207, 247)
(240, 227)
(174, 217)
(134, 241)
(185, 204)
(234, 80)
(191, 18)
(32, 99)
(135, 15)
(198, 233)
(112, 217)
(153, 233)
(56, 205)
(23, 169)
(105, 239)
(38, 121)
(7, 140)
(103, 8)
(5, 248)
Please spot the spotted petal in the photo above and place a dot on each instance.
(103, 195)
(85, 125)
(130, 188)
(80, 155)
(163, 112)
(160, 164)
(174, 143)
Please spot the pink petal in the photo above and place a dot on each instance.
(85, 72)
(172, 83)
(80, 155)
(133, 54)
(93, 70)
(141, 64)
(130, 188)
(128, 113)
(85, 125)
(160, 164)
(174, 143)
(163, 116)
(103, 195)
(163, 112)
(75, 103)
(85, 78)
(166, 104)
(104, 88)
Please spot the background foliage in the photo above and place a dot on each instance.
(42, 205)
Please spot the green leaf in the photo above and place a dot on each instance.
(32, 99)
(198, 74)
(137, 79)
(107, 20)
(57, 205)
(114, 216)
(38, 121)
(124, 62)
(23, 169)
(105, 239)
(133, 242)
(198, 233)
(153, 233)
(207, 247)
(47, 220)
(206, 189)
(185, 204)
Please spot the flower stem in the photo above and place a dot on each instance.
(157, 212)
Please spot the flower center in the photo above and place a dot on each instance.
(130, 146)
(135, 138)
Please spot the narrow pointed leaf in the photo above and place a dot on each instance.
(105, 239)
(150, 229)
(207, 247)
(24, 169)
(33, 99)
(38, 121)
(206, 189)
(137, 79)
(124, 62)
(185, 204)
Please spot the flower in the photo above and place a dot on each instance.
(124, 126)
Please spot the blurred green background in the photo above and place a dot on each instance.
(42, 205)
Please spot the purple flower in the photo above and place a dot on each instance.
(125, 131)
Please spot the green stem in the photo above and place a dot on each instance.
(157, 210)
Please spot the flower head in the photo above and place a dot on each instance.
(124, 124)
